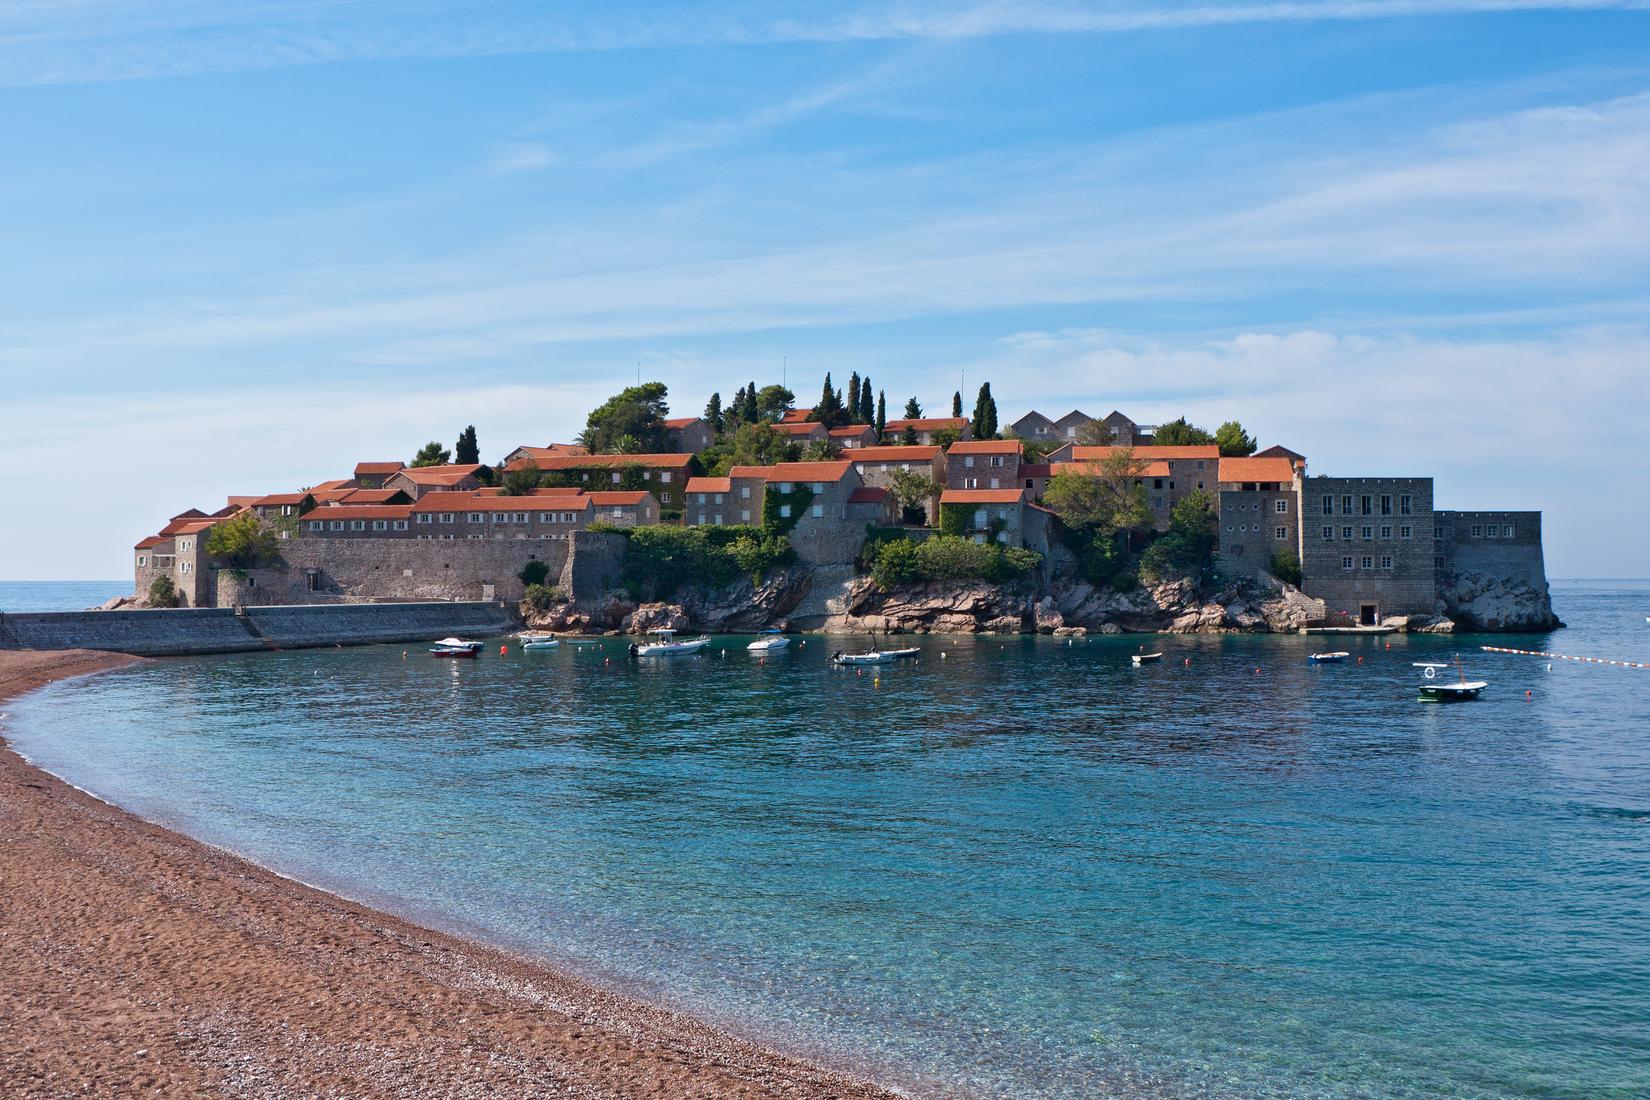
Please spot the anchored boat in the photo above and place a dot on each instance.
(770, 641)
(875, 657)
(1145, 658)
(667, 645)
(1436, 689)
(456, 647)
(1328, 658)
(541, 641)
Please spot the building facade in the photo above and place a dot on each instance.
(1367, 547)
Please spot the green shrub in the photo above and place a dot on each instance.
(896, 564)
(1286, 565)
(162, 593)
(660, 560)
(533, 573)
(948, 558)
(539, 597)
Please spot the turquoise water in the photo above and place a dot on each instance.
(59, 595)
(1021, 868)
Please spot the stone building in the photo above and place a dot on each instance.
(1259, 511)
(1367, 547)
(1491, 571)
(986, 511)
(983, 464)
(283, 505)
(926, 427)
(358, 521)
(415, 481)
(827, 529)
(660, 474)
(689, 434)
(623, 508)
(876, 466)
(1169, 474)
(802, 432)
(1119, 429)
(373, 475)
(854, 437)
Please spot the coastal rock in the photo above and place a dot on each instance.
(1478, 601)
(1047, 617)
(121, 603)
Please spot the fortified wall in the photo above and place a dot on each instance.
(1492, 574)
(331, 570)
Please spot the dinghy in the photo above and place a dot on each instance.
(1435, 689)
(1322, 658)
(1145, 658)
(542, 641)
(875, 657)
(455, 647)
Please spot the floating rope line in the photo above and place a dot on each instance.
(1566, 657)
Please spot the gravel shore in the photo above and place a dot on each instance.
(138, 962)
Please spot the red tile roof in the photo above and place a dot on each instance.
(1239, 470)
(982, 496)
(796, 471)
(373, 496)
(616, 496)
(439, 475)
(557, 491)
(242, 502)
(1036, 469)
(985, 447)
(477, 502)
(1098, 454)
(915, 453)
(195, 526)
(801, 427)
(152, 540)
(868, 494)
(335, 483)
(681, 422)
(333, 496)
(178, 523)
(850, 430)
(795, 416)
(1158, 468)
(709, 485)
(575, 462)
(377, 467)
(359, 511)
(927, 424)
(275, 500)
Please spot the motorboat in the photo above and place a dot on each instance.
(668, 645)
(770, 641)
(541, 641)
(1328, 658)
(447, 647)
(526, 636)
(1145, 658)
(875, 657)
(1436, 689)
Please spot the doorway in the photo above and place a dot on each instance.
(1367, 615)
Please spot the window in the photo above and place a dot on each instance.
(1405, 532)
(1157, 483)
(476, 517)
(1507, 531)
(1438, 562)
(1368, 562)
(1366, 505)
(1281, 506)
(1437, 532)
(1367, 531)
(357, 525)
(819, 487)
(521, 517)
(784, 486)
(1328, 505)
(615, 477)
(1404, 505)
(426, 517)
(996, 460)
(501, 517)
(968, 462)
(664, 498)
(1346, 563)
(1477, 531)
(399, 525)
(143, 560)
(337, 525)
(718, 498)
(1346, 506)
(1282, 533)
(744, 515)
(819, 511)
(745, 491)
(979, 517)
(1386, 504)
(1386, 561)
(379, 525)
(718, 519)
(447, 517)
(1328, 534)
(664, 477)
(1386, 531)
(317, 525)
(971, 483)
(784, 511)
(187, 567)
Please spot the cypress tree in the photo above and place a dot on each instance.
(829, 410)
(467, 452)
(882, 414)
(956, 403)
(851, 400)
(867, 407)
(750, 404)
(713, 413)
(913, 409)
(985, 414)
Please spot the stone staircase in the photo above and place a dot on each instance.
(826, 598)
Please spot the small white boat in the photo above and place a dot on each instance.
(769, 643)
(543, 641)
(1437, 690)
(456, 644)
(582, 639)
(875, 657)
(533, 635)
(1145, 658)
(667, 645)
(1323, 658)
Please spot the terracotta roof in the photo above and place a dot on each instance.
(152, 540)
(193, 513)
(801, 427)
(377, 467)
(985, 447)
(173, 526)
(335, 483)
(1036, 469)
(982, 496)
(575, 462)
(1279, 451)
(915, 453)
(242, 502)
(333, 496)
(550, 450)
(868, 494)
(927, 424)
(681, 422)
(275, 500)
(796, 471)
(373, 496)
(557, 491)
(439, 475)
(195, 526)
(709, 485)
(359, 511)
(617, 496)
(1158, 468)
(477, 502)
(227, 510)
(1257, 469)
(1098, 454)
(850, 430)
(795, 416)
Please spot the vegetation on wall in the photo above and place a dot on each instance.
(1186, 550)
(1286, 566)
(913, 491)
(244, 541)
(659, 561)
(773, 502)
(949, 558)
(162, 592)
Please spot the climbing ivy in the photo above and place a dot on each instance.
(798, 498)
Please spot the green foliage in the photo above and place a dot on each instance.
(944, 437)
(244, 541)
(1233, 440)
(713, 413)
(539, 597)
(913, 409)
(955, 518)
(488, 475)
(1179, 433)
(431, 454)
(867, 412)
(630, 422)
(956, 403)
(850, 401)
(467, 452)
(162, 592)
(534, 572)
(522, 482)
(882, 414)
(829, 411)
(908, 438)
(821, 450)
(1110, 500)
(1035, 450)
(984, 423)
(1097, 433)
(773, 502)
(875, 539)
(912, 491)
(771, 402)
(632, 477)
(949, 558)
(755, 444)
(1186, 551)
(1286, 565)
(660, 560)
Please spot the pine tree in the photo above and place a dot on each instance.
(713, 413)
(751, 412)
(467, 452)
(985, 414)
(829, 410)
(867, 406)
(956, 404)
(882, 414)
(913, 409)
(851, 401)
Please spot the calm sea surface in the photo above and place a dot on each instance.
(59, 595)
(1015, 867)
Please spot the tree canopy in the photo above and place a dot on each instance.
(1107, 499)
(956, 403)
(713, 413)
(867, 406)
(984, 423)
(1187, 550)
(771, 402)
(1180, 433)
(630, 422)
(431, 454)
(755, 444)
(1233, 440)
(467, 452)
(244, 541)
(520, 483)
(882, 413)
(829, 411)
(913, 409)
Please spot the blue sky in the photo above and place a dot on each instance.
(250, 243)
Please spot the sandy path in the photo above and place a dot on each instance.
(134, 961)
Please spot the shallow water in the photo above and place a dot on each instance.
(1022, 867)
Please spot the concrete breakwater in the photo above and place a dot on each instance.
(237, 630)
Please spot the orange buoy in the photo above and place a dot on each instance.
(503, 650)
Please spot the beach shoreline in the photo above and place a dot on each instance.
(141, 961)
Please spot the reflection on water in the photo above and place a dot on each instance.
(1014, 866)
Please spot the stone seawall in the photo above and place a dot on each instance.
(228, 630)
(1493, 575)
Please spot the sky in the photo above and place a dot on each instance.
(250, 243)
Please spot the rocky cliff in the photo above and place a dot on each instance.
(1497, 602)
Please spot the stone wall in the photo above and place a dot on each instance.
(330, 570)
(1249, 523)
(1488, 579)
(1393, 574)
(594, 566)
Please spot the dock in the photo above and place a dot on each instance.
(1349, 630)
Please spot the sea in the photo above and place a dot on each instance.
(1009, 867)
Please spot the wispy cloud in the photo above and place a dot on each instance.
(520, 157)
(108, 40)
